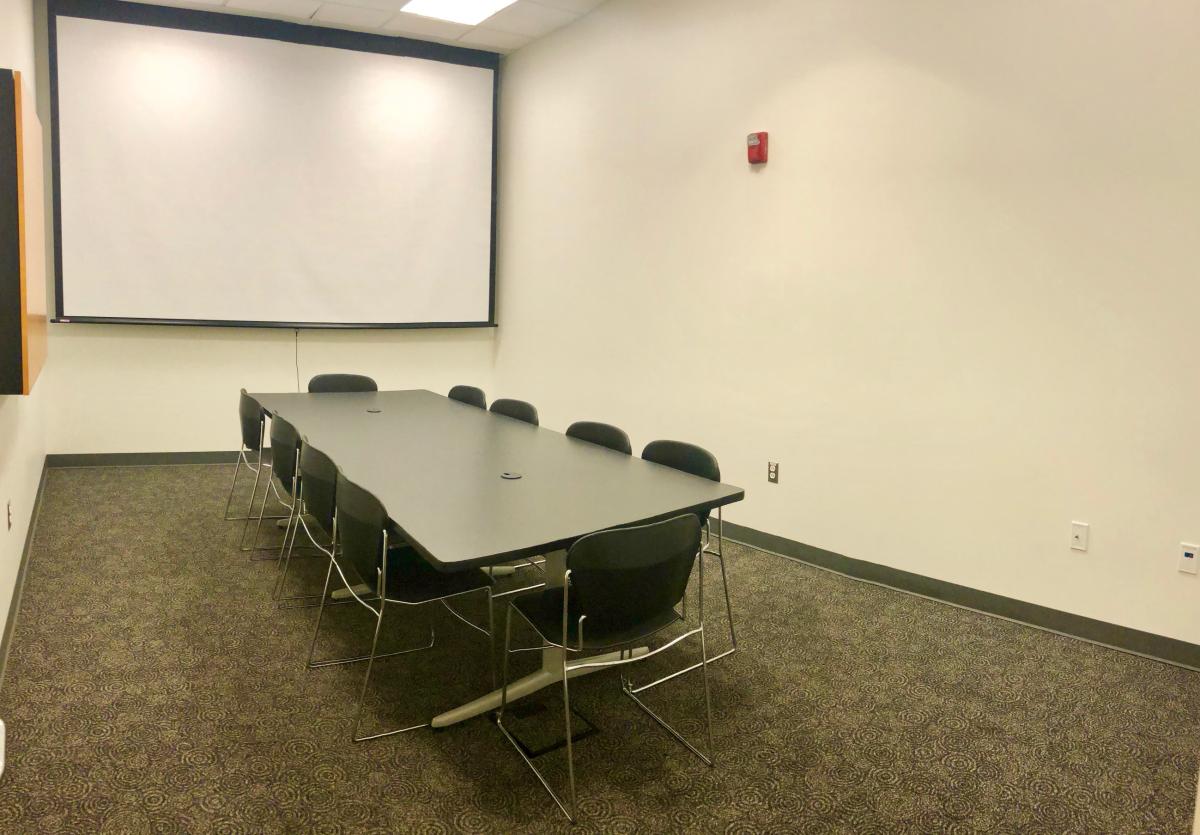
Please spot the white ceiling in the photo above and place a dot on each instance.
(510, 28)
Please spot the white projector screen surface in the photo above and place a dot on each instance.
(223, 178)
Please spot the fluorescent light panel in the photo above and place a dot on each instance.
(469, 12)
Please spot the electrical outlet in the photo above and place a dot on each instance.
(773, 472)
(1079, 536)
(1189, 562)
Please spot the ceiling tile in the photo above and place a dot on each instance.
(415, 24)
(384, 5)
(529, 19)
(295, 9)
(186, 4)
(355, 17)
(579, 7)
(491, 39)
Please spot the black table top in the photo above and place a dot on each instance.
(436, 465)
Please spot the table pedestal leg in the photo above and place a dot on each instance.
(550, 673)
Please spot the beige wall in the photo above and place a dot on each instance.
(124, 388)
(22, 431)
(959, 305)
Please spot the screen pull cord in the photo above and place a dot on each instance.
(297, 360)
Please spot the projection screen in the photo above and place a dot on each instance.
(214, 169)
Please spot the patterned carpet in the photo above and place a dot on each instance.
(152, 687)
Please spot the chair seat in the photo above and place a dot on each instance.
(543, 609)
(410, 579)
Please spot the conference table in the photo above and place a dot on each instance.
(468, 488)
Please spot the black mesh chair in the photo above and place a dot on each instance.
(363, 555)
(516, 409)
(620, 590)
(324, 383)
(253, 426)
(469, 395)
(602, 434)
(697, 461)
(284, 481)
(316, 489)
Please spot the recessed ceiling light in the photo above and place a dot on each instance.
(469, 12)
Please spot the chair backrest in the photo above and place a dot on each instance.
(624, 577)
(250, 416)
(361, 521)
(318, 475)
(603, 434)
(285, 440)
(516, 409)
(689, 458)
(341, 383)
(469, 395)
(680, 455)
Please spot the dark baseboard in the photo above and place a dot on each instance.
(15, 604)
(137, 459)
(1123, 638)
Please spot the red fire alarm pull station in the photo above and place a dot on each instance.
(756, 147)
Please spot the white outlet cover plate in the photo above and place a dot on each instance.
(1189, 558)
(1079, 536)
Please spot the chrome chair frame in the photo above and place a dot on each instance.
(626, 687)
(297, 521)
(383, 600)
(706, 550)
(719, 553)
(257, 470)
(291, 511)
(254, 468)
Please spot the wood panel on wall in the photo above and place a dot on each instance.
(23, 312)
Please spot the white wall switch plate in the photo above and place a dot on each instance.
(1079, 536)
(1189, 558)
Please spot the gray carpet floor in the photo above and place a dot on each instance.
(153, 687)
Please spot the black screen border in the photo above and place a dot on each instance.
(168, 17)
